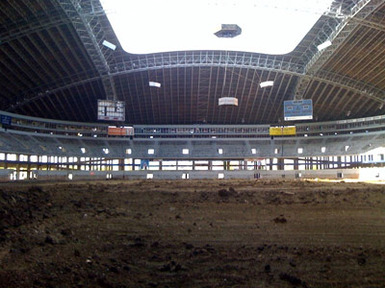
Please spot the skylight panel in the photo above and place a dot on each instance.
(267, 26)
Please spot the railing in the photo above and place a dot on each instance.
(17, 122)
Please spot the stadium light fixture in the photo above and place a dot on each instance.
(324, 45)
(154, 84)
(266, 84)
(109, 45)
(232, 101)
(191, 25)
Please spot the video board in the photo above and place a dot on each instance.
(298, 110)
(111, 110)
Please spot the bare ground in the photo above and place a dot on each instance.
(190, 233)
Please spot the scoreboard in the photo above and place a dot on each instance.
(298, 110)
(111, 110)
(6, 120)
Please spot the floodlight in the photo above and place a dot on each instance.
(266, 84)
(232, 101)
(324, 45)
(109, 45)
(154, 84)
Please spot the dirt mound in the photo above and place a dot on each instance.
(22, 207)
(192, 234)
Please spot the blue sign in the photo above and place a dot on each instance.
(298, 110)
(6, 120)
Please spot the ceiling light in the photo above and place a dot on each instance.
(154, 84)
(232, 101)
(266, 84)
(324, 45)
(109, 45)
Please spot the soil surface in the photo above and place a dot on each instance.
(192, 233)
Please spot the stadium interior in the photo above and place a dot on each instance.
(192, 155)
(72, 100)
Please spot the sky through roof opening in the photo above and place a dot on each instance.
(268, 26)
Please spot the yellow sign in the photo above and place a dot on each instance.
(282, 131)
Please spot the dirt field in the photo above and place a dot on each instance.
(217, 233)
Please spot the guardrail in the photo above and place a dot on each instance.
(17, 122)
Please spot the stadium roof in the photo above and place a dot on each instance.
(54, 64)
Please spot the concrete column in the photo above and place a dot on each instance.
(296, 166)
(29, 167)
(121, 164)
(17, 163)
(281, 164)
(308, 163)
(5, 160)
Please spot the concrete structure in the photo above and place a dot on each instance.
(37, 148)
(55, 69)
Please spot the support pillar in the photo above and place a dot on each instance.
(296, 164)
(210, 165)
(18, 164)
(281, 164)
(5, 160)
(121, 164)
(29, 167)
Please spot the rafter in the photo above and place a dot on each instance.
(84, 24)
(337, 36)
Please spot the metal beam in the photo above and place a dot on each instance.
(226, 60)
(84, 23)
(342, 32)
(32, 27)
(337, 37)
(209, 59)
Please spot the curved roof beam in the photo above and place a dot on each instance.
(337, 36)
(207, 58)
(223, 59)
(33, 26)
(83, 20)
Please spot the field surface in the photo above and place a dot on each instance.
(192, 233)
